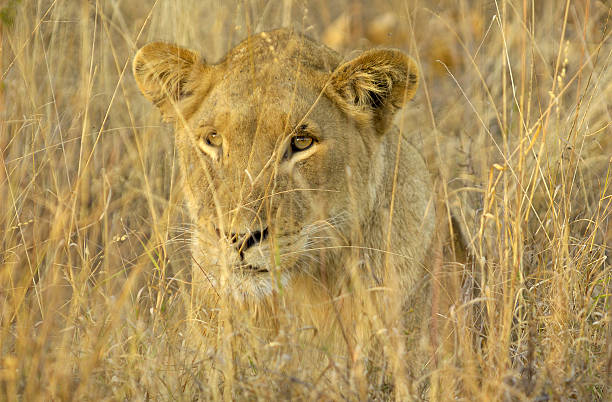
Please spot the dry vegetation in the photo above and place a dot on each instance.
(514, 115)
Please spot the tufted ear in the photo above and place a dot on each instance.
(373, 86)
(169, 76)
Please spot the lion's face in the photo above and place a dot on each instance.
(280, 150)
(266, 182)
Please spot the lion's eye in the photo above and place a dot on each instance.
(213, 139)
(301, 143)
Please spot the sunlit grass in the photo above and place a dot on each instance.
(513, 115)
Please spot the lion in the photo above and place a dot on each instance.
(302, 191)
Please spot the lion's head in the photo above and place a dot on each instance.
(280, 149)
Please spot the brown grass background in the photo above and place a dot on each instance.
(513, 114)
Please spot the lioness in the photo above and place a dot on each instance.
(299, 185)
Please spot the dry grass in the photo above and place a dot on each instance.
(513, 113)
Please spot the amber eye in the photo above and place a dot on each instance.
(213, 139)
(301, 143)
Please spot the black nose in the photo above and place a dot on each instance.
(243, 241)
(253, 238)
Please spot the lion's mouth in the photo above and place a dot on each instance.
(253, 253)
(251, 269)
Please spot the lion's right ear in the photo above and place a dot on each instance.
(169, 76)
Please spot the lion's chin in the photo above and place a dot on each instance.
(251, 275)
(254, 283)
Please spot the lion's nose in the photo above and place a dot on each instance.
(250, 239)
(244, 241)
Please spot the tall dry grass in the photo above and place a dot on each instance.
(513, 114)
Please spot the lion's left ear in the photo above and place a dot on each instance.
(373, 86)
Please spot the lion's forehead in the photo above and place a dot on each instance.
(268, 103)
(247, 123)
(239, 87)
(268, 81)
(283, 46)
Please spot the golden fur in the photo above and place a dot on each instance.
(334, 232)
